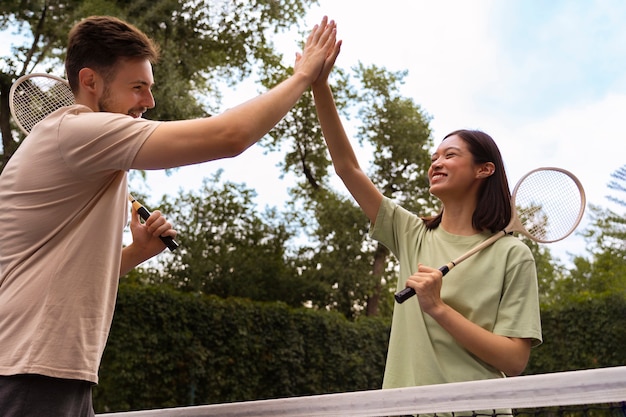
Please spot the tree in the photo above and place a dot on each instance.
(202, 42)
(358, 274)
(342, 257)
(604, 271)
(399, 131)
(227, 247)
(43, 25)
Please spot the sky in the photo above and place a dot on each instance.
(546, 79)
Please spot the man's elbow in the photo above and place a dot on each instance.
(237, 140)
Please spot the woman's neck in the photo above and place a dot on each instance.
(457, 219)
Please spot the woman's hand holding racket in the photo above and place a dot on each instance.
(547, 205)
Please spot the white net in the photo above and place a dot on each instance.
(593, 393)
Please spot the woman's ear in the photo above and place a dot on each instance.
(486, 170)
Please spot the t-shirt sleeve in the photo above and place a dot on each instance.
(519, 312)
(382, 229)
(394, 226)
(91, 143)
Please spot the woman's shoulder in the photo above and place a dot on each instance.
(391, 209)
(513, 245)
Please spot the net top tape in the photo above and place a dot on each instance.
(592, 386)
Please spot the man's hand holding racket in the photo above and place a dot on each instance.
(149, 235)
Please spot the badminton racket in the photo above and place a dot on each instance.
(547, 205)
(34, 96)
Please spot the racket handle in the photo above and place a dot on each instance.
(405, 294)
(144, 213)
(408, 292)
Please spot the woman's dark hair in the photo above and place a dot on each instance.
(493, 208)
(99, 42)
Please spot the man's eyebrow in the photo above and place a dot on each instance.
(142, 82)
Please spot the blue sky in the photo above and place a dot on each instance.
(547, 79)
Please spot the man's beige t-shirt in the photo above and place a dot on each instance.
(496, 289)
(63, 208)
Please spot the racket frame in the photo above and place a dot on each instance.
(14, 88)
(515, 225)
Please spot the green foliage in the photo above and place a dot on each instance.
(585, 334)
(202, 42)
(619, 184)
(343, 259)
(227, 248)
(41, 28)
(399, 131)
(299, 134)
(168, 348)
(356, 275)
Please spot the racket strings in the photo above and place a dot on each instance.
(32, 102)
(549, 204)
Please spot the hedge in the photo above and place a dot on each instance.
(169, 349)
(582, 335)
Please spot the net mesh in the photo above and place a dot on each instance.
(36, 97)
(550, 203)
(592, 393)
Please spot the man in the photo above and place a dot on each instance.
(63, 206)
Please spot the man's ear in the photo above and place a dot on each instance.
(88, 80)
(486, 170)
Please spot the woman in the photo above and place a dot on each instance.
(480, 321)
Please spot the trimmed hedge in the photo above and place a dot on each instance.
(169, 349)
(583, 335)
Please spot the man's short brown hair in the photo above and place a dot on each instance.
(99, 42)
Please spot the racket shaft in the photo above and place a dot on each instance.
(408, 292)
(144, 213)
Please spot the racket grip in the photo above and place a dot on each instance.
(403, 295)
(408, 292)
(144, 213)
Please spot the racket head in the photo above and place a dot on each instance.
(34, 96)
(548, 204)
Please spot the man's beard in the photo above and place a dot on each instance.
(105, 105)
(104, 101)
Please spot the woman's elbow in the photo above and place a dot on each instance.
(517, 362)
(516, 369)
